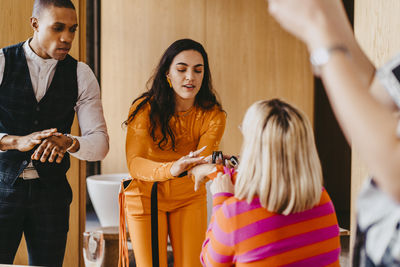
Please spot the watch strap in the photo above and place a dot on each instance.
(74, 141)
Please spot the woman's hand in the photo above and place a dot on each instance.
(200, 172)
(222, 184)
(187, 162)
(319, 23)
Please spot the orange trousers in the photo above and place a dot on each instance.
(182, 215)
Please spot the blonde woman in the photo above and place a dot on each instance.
(278, 212)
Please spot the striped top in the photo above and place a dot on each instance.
(248, 235)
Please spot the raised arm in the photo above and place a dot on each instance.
(367, 123)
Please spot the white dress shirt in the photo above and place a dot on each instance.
(94, 138)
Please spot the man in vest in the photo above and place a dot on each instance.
(41, 88)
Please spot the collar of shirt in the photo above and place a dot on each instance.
(41, 71)
(31, 55)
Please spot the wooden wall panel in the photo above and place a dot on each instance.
(251, 58)
(15, 27)
(376, 25)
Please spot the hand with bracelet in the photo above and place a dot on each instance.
(200, 174)
(53, 148)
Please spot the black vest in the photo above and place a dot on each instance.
(21, 114)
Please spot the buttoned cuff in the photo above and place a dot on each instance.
(84, 152)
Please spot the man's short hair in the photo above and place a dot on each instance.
(40, 5)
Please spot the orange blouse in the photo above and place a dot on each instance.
(193, 129)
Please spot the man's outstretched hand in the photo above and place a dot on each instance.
(27, 142)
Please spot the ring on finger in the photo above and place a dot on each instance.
(191, 154)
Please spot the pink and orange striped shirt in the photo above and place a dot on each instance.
(244, 234)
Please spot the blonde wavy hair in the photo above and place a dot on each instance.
(279, 161)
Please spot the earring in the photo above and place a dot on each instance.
(169, 82)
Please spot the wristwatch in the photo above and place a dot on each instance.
(74, 141)
(321, 56)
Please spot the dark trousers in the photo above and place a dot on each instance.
(41, 212)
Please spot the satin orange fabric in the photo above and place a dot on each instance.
(182, 211)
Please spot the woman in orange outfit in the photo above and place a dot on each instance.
(171, 127)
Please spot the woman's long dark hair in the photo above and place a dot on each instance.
(162, 97)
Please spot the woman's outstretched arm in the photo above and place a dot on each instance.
(367, 121)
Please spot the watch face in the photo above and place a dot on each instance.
(389, 76)
(319, 57)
